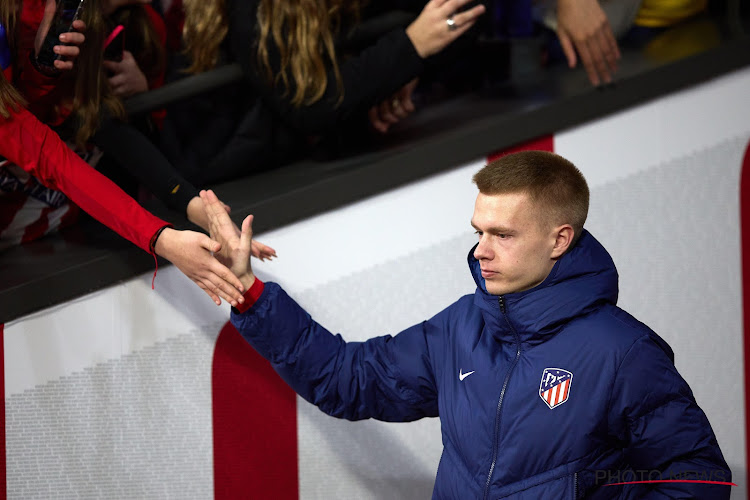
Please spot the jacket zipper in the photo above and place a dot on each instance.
(575, 486)
(501, 302)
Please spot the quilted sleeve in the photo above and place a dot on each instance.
(388, 378)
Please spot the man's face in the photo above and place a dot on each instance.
(515, 244)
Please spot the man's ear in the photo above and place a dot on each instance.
(563, 239)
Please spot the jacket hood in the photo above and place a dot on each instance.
(581, 280)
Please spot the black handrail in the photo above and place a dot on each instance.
(183, 89)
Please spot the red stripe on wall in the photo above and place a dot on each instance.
(745, 249)
(255, 424)
(3, 487)
(545, 143)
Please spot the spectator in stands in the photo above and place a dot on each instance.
(31, 207)
(27, 145)
(98, 114)
(299, 90)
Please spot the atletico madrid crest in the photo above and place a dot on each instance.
(555, 386)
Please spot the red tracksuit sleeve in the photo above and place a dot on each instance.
(38, 150)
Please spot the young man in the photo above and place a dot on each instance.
(544, 388)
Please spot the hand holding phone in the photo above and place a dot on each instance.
(57, 29)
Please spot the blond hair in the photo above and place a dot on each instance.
(302, 31)
(551, 181)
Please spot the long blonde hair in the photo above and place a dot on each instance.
(10, 99)
(302, 30)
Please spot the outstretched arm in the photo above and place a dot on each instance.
(388, 378)
(32, 146)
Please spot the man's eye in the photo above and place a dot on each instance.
(502, 236)
(478, 232)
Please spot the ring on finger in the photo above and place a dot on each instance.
(395, 104)
(452, 26)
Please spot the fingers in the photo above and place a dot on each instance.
(79, 25)
(451, 7)
(67, 52)
(111, 66)
(609, 47)
(568, 49)
(465, 20)
(247, 235)
(388, 112)
(378, 124)
(405, 95)
(261, 251)
(118, 80)
(217, 283)
(73, 38)
(213, 296)
(218, 290)
(598, 58)
(221, 281)
(209, 244)
(396, 108)
(588, 62)
(217, 216)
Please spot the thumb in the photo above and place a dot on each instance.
(568, 49)
(246, 237)
(209, 244)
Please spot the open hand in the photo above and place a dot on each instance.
(431, 32)
(582, 27)
(235, 248)
(191, 253)
(198, 215)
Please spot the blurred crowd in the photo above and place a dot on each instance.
(321, 79)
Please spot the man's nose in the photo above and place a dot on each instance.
(482, 251)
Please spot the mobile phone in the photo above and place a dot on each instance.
(66, 13)
(114, 45)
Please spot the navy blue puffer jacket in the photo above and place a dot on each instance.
(551, 393)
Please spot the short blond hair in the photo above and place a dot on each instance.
(551, 181)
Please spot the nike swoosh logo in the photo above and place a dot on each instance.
(462, 375)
